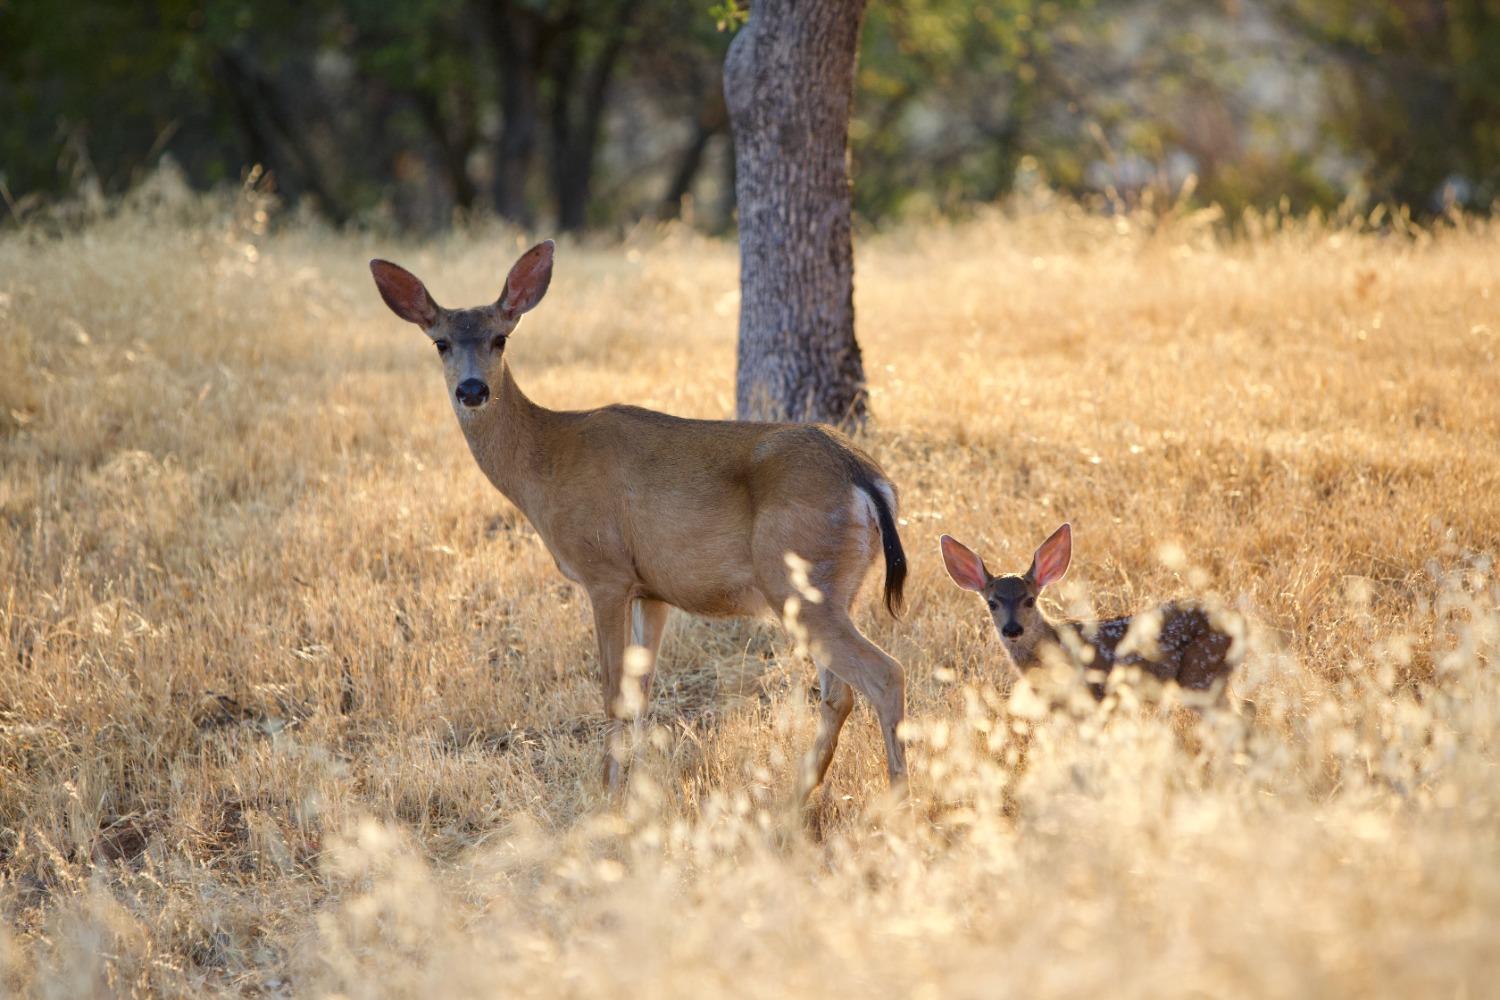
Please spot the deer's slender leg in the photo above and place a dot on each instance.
(809, 569)
(873, 673)
(648, 624)
(840, 649)
(835, 702)
(611, 622)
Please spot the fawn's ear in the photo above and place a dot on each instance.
(966, 568)
(404, 293)
(1051, 560)
(528, 280)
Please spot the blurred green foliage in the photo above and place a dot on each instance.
(1418, 91)
(599, 112)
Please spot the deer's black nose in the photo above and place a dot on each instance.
(472, 392)
(1012, 630)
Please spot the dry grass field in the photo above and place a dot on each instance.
(293, 703)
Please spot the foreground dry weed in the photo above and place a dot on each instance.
(292, 703)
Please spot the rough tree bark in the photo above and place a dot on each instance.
(789, 86)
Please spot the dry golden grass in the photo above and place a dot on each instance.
(291, 702)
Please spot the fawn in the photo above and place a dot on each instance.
(647, 511)
(1178, 642)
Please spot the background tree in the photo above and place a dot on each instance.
(597, 113)
(789, 87)
(1413, 90)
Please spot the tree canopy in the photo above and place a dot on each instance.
(588, 113)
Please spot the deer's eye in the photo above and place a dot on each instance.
(498, 344)
(1031, 602)
(994, 604)
(442, 346)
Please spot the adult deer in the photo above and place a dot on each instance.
(647, 511)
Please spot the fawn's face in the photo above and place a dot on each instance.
(471, 342)
(1012, 599)
(1012, 603)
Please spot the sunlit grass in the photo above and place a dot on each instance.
(292, 702)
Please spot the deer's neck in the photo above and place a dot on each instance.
(507, 439)
(1025, 651)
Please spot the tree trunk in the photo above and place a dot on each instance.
(707, 123)
(453, 145)
(514, 35)
(789, 85)
(274, 136)
(577, 124)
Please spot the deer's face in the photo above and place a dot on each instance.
(471, 342)
(1012, 603)
(1012, 599)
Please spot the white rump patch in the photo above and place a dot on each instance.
(864, 507)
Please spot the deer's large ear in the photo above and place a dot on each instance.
(404, 293)
(528, 280)
(963, 564)
(1051, 560)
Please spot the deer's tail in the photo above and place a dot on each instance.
(883, 496)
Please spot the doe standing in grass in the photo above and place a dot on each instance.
(1178, 642)
(647, 511)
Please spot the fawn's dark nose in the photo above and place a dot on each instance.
(1012, 630)
(472, 392)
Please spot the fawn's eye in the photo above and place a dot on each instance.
(498, 344)
(994, 604)
(442, 346)
(1031, 602)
